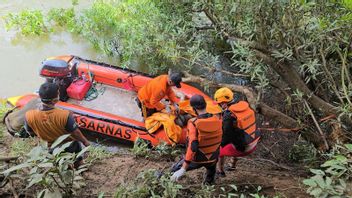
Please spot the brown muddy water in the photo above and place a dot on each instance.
(21, 56)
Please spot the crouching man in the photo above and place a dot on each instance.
(150, 95)
(49, 123)
(203, 142)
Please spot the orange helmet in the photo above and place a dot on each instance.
(223, 95)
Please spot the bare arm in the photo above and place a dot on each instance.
(77, 135)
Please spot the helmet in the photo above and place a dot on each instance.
(198, 102)
(223, 95)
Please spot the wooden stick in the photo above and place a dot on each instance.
(266, 160)
(15, 194)
(8, 159)
(317, 125)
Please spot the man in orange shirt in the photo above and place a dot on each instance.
(150, 95)
(203, 142)
(49, 123)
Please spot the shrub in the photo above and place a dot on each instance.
(28, 22)
(141, 148)
(97, 153)
(149, 183)
(303, 152)
(54, 173)
(330, 180)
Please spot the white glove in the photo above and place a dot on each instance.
(178, 174)
(168, 109)
(177, 108)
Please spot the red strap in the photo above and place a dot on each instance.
(280, 129)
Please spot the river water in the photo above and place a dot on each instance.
(21, 56)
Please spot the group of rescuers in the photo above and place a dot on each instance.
(209, 138)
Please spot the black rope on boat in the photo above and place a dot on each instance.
(119, 122)
(126, 70)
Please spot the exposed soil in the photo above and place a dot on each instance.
(268, 167)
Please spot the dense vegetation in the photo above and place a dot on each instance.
(297, 56)
(298, 50)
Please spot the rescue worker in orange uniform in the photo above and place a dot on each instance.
(240, 133)
(49, 123)
(150, 95)
(203, 142)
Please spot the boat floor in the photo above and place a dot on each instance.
(113, 100)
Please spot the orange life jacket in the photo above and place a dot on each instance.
(245, 120)
(209, 133)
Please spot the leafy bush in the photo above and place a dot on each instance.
(28, 22)
(149, 183)
(163, 150)
(205, 191)
(54, 173)
(141, 148)
(233, 191)
(64, 18)
(3, 110)
(20, 147)
(330, 180)
(303, 152)
(97, 153)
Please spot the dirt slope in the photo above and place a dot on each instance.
(106, 175)
(268, 167)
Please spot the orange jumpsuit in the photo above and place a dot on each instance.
(154, 91)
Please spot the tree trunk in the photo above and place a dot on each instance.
(292, 78)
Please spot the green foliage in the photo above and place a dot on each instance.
(27, 22)
(3, 110)
(331, 179)
(74, 2)
(233, 191)
(303, 152)
(149, 183)
(141, 148)
(20, 147)
(97, 153)
(64, 18)
(163, 150)
(127, 29)
(54, 173)
(205, 191)
(245, 60)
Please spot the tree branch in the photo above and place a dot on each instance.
(317, 125)
(261, 108)
(287, 72)
(278, 116)
(292, 78)
(212, 69)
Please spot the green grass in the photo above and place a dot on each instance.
(97, 153)
(3, 110)
(21, 147)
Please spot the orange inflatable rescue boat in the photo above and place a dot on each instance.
(109, 107)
